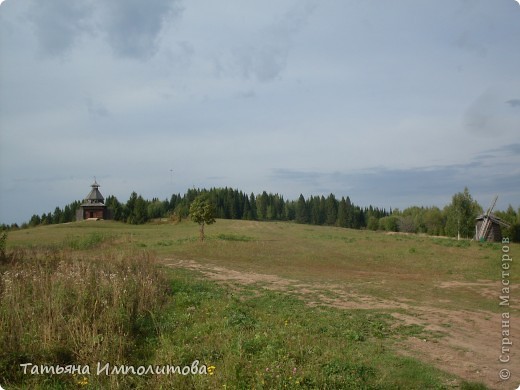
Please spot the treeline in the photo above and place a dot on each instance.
(229, 204)
(234, 204)
(67, 214)
(456, 218)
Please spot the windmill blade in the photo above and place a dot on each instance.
(493, 205)
(486, 222)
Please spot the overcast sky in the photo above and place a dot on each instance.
(394, 103)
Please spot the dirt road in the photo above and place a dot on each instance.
(470, 341)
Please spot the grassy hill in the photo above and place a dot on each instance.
(265, 304)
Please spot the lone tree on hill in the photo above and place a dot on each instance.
(202, 212)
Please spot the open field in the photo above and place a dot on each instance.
(274, 305)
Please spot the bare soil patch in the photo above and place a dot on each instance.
(485, 288)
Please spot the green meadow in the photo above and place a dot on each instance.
(259, 305)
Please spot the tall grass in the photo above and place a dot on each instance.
(63, 307)
(3, 244)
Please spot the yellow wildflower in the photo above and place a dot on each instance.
(83, 381)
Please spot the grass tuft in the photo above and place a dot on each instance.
(452, 243)
(472, 386)
(234, 237)
(89, 241)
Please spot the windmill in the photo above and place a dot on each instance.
(488, 225)
(486, 222)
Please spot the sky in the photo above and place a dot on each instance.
(393, 103)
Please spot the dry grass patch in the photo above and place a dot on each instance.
(63, 307)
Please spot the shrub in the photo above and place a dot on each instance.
(390, 223)
(407, 225)
(373, 223)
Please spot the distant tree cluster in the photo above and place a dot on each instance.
(456, 218)
(512, 217)
(234, 204)
(60, 215)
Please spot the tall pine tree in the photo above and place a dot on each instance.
(302, 212)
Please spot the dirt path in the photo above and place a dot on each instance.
(471, 341)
